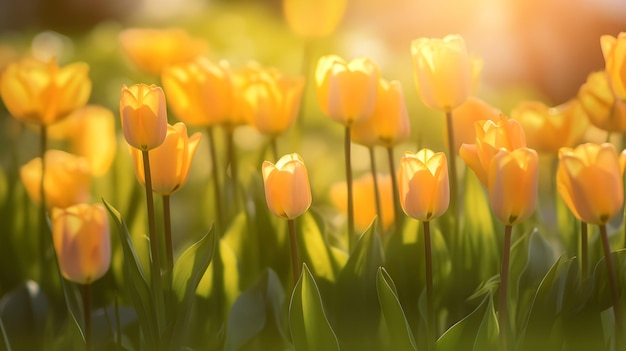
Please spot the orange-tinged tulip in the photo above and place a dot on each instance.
(242, 77)
(154, 49)
(389, 123)
(346, 91)
(42, 92)
(589, 179)
(614, 51)
(365, 200)
(424, 187)
(490, 138)
(170, 161)
(443, 71)
(513, 179)
(66, 182)
(548, 129)
(144, 116)
(287, 189)
(199, 92)
(603, 109)
(82, 242)
(466, 115)
(313, 19)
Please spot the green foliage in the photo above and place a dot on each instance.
(400, 334)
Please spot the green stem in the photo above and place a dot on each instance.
(453, 173)
(504, 285)
(167, 223)
(43, 144)
(379, 210)
(617, 312)
(232, 159)
(430, 303)
(397, 211)
(347, 156)
(216, 182)
(295, 257)
(86, 292)
(274, 146)
(584, 249)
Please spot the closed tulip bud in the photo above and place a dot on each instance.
(170, 161)
(144, 116)
(389, 123)
(346, 92)
(66, 182)
(199, 92)
(513, 178)
(444, 72)
(42, 92)
(82, 242)
(287, 189)
(603, 109)
(589, 180)
(424, 187)
(466, 115)
(313, 19)
(614, 51)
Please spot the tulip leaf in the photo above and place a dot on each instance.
(489, 331)
(315, 251)
(400, 334)
(24, 312)
(462, 335)
(310, 329)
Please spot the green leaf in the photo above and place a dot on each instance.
(23, 312)
(400, 334)
(315, 251)
(489, 331)
(310, 329)
(462, 335)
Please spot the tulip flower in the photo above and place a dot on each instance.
(287, 189)
(66, 180)
(154, 49)
(144, 116)
(466, 115)
(600, 104)
(42, 92)
(614, 51)
(313, 19)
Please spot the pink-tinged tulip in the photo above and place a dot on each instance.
(66, 182)
(589, 179)
(287, 189)
(144, 116)
(598, 101)
(42, 92)
(424, 186)
(346, 91)
(513, 179)
(170, 161)
(199, 92)
(82, 242)
(313, 18)
(466, 115)
(614, 51)
(389, 123)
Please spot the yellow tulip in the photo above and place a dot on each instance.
(170, 161)
(199, 92)
(66, 182)
(548, 129)
(346, 91)
(154, 49)
(443, 71)
(82, 242)
(512, 185)
(242, 77)
(42, 92)
(144, 116)
(287, 189)
(313, 19)
(614, 51)
(424, 187)
(603, 109)
(466, 115)
(389, 123)
(491, 136)
(589, 179)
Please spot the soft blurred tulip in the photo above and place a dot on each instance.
(589, 179)
(443, 71)
(242, 77)
(311, 18)
(287, 189)
(199, 92)
(491, 136)
(365, 200)
(424, 186)
(614, 51)
(66, 182)
(466, 115)
(513, 179)
(144, 116)
(389, 123)
(547, 129)
(170, 161)
(42, 92)
(603, 109)
(154, 49)
(346, 91)
(82, 242)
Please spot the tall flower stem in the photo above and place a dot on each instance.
(167, 224)
(584, 257)
(610, 269)
(379, 211)
(86, 295)
(503, 309)
(454, 207)
(397, 211)
(348, 160)
(43, 144)
(295, 257)
(216, 182)
(232, 160)
(430, 303)
(274, 146)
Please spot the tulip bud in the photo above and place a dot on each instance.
(144, 116)
(466, 115)
(614, 51)
(313, 18)
(599, 103)
(287, 189)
